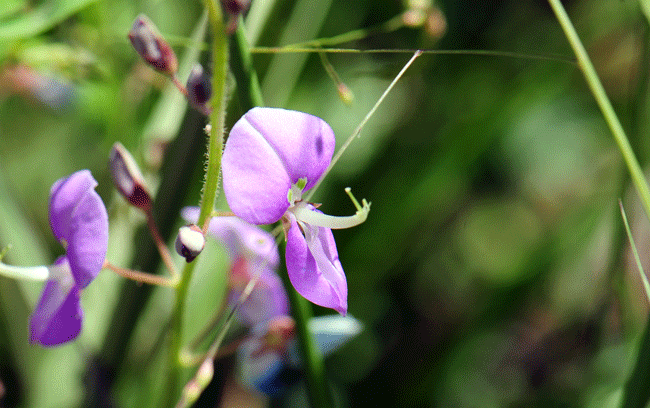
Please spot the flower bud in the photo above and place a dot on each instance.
(189, 242)
(235, 7)
(151, 46)
(205, 373)
(345, 93)
(127, 177)
(199, 88)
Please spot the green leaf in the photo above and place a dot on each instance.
(11, 7)
(40, 19)
(636, 393)
(645, 8)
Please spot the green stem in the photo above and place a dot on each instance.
(389, 26)
(604, 104)
(636, 394)
(314, 367)
(248, 85)
(312, 359)
(210, 187)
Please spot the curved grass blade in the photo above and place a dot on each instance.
(47, 15)
(636, 392)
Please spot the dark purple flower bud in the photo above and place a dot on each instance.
(235, 7)
(189, 242)
(127, 177)
(151, 46)
(199, 88)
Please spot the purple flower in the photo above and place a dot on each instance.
(252, 251)
(79, 220)
(271, 157)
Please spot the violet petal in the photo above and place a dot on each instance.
(64, 196)
(58, 316)
(314, 268)
(268, 298)
(88, 238)
(267, 151)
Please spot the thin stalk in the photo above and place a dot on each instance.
(637, 259)
(209, 193)
(142, 277)
(160, 244)
(587, 68)
(290, 49)
(357, 131)
(389, 26)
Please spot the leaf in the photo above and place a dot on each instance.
(645, 8)
(12, 7)
(636, 392)
(47, 15)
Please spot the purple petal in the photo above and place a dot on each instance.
(305, 143)
(58, 316)
(64, 196)
(268, 150)
(239, 237)
(268, 298)
(78, 216)
(314, 268)
(255, 181)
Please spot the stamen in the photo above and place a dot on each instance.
(317, 219)
(35, 273)
(348, 191)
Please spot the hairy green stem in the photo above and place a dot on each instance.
(604, 104)
(210, 188)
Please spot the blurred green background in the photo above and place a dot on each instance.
(493, 269)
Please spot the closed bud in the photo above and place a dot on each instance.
(345, 93)
(152, 47)
(127, 177)
(189, 242)
(235, 7)
(205, 373)
(199, 88)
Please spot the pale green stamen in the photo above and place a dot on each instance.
(315, 218)
(36, 273)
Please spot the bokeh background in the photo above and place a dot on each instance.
(493, 269)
